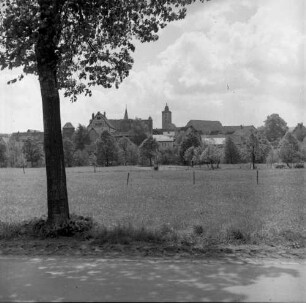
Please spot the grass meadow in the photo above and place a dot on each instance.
(221, 203)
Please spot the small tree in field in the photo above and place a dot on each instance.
(73, 45)
(80, 158)
(107, 149)
(128, 151)
(190, 140)
(212, 155)
(289, 149)
(81, 138)
(189, 154)
(3, 155)
(272, 157)
(168, 155)
(148, 149)
(231, 152)
(275, 128)
(32, 151)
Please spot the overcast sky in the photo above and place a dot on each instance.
(235, 61)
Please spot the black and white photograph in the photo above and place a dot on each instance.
(152, 151)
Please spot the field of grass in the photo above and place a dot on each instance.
(222, 202)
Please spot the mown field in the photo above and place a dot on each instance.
(220, 200)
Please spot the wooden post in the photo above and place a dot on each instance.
(193, 177)
(257, 176)
(127, 180)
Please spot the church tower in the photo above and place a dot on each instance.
(166, 118)
(126, 117)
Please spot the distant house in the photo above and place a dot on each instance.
(68, 130)
(217, 140)
(164, 141)
(35, 135)
(206, 127)
(98, 124)
(117, 127)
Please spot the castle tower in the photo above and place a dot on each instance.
(126, 117)
(68, 130)
(166, 118)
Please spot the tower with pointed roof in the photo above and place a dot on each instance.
(126, 117)
(166, 118)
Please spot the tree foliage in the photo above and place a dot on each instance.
(81, 137)
(3, 154)
(212, 155)
(289, 149)
(190, 140)
(32, 151)
(275, 128)
(189, 155)
(148, 149)
(107, 149)
(80, 158)
(90, 41)
(74, 45)
(168, 155)
(231, 152)
(138, 132)
(15, 153)
(128, 151)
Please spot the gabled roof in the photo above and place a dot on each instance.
(68, 125)
(205, 126)
(232, 128)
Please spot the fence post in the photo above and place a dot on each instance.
(257, 175)
(193, 177)
(127, 180)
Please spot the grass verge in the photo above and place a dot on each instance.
(84, 228)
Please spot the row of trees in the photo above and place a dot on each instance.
(80, 151)
(16, 154)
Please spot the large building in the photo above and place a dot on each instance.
(117, 127)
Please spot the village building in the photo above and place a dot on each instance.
(218, 140)
(117, 127)
(68, 130)
(164, 141)
(206, 127)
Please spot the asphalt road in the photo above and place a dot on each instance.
(61, 279)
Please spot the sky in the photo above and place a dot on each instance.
(234, 61)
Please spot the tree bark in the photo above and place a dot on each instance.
(58, 209)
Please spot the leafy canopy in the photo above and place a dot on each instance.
(90, 41)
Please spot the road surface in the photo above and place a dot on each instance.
(60, 279)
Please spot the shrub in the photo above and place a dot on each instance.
(76, 225)
(299, 165)
(280, 165)
(198, 229)
(237, 235)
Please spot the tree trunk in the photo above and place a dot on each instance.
(58, 209)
